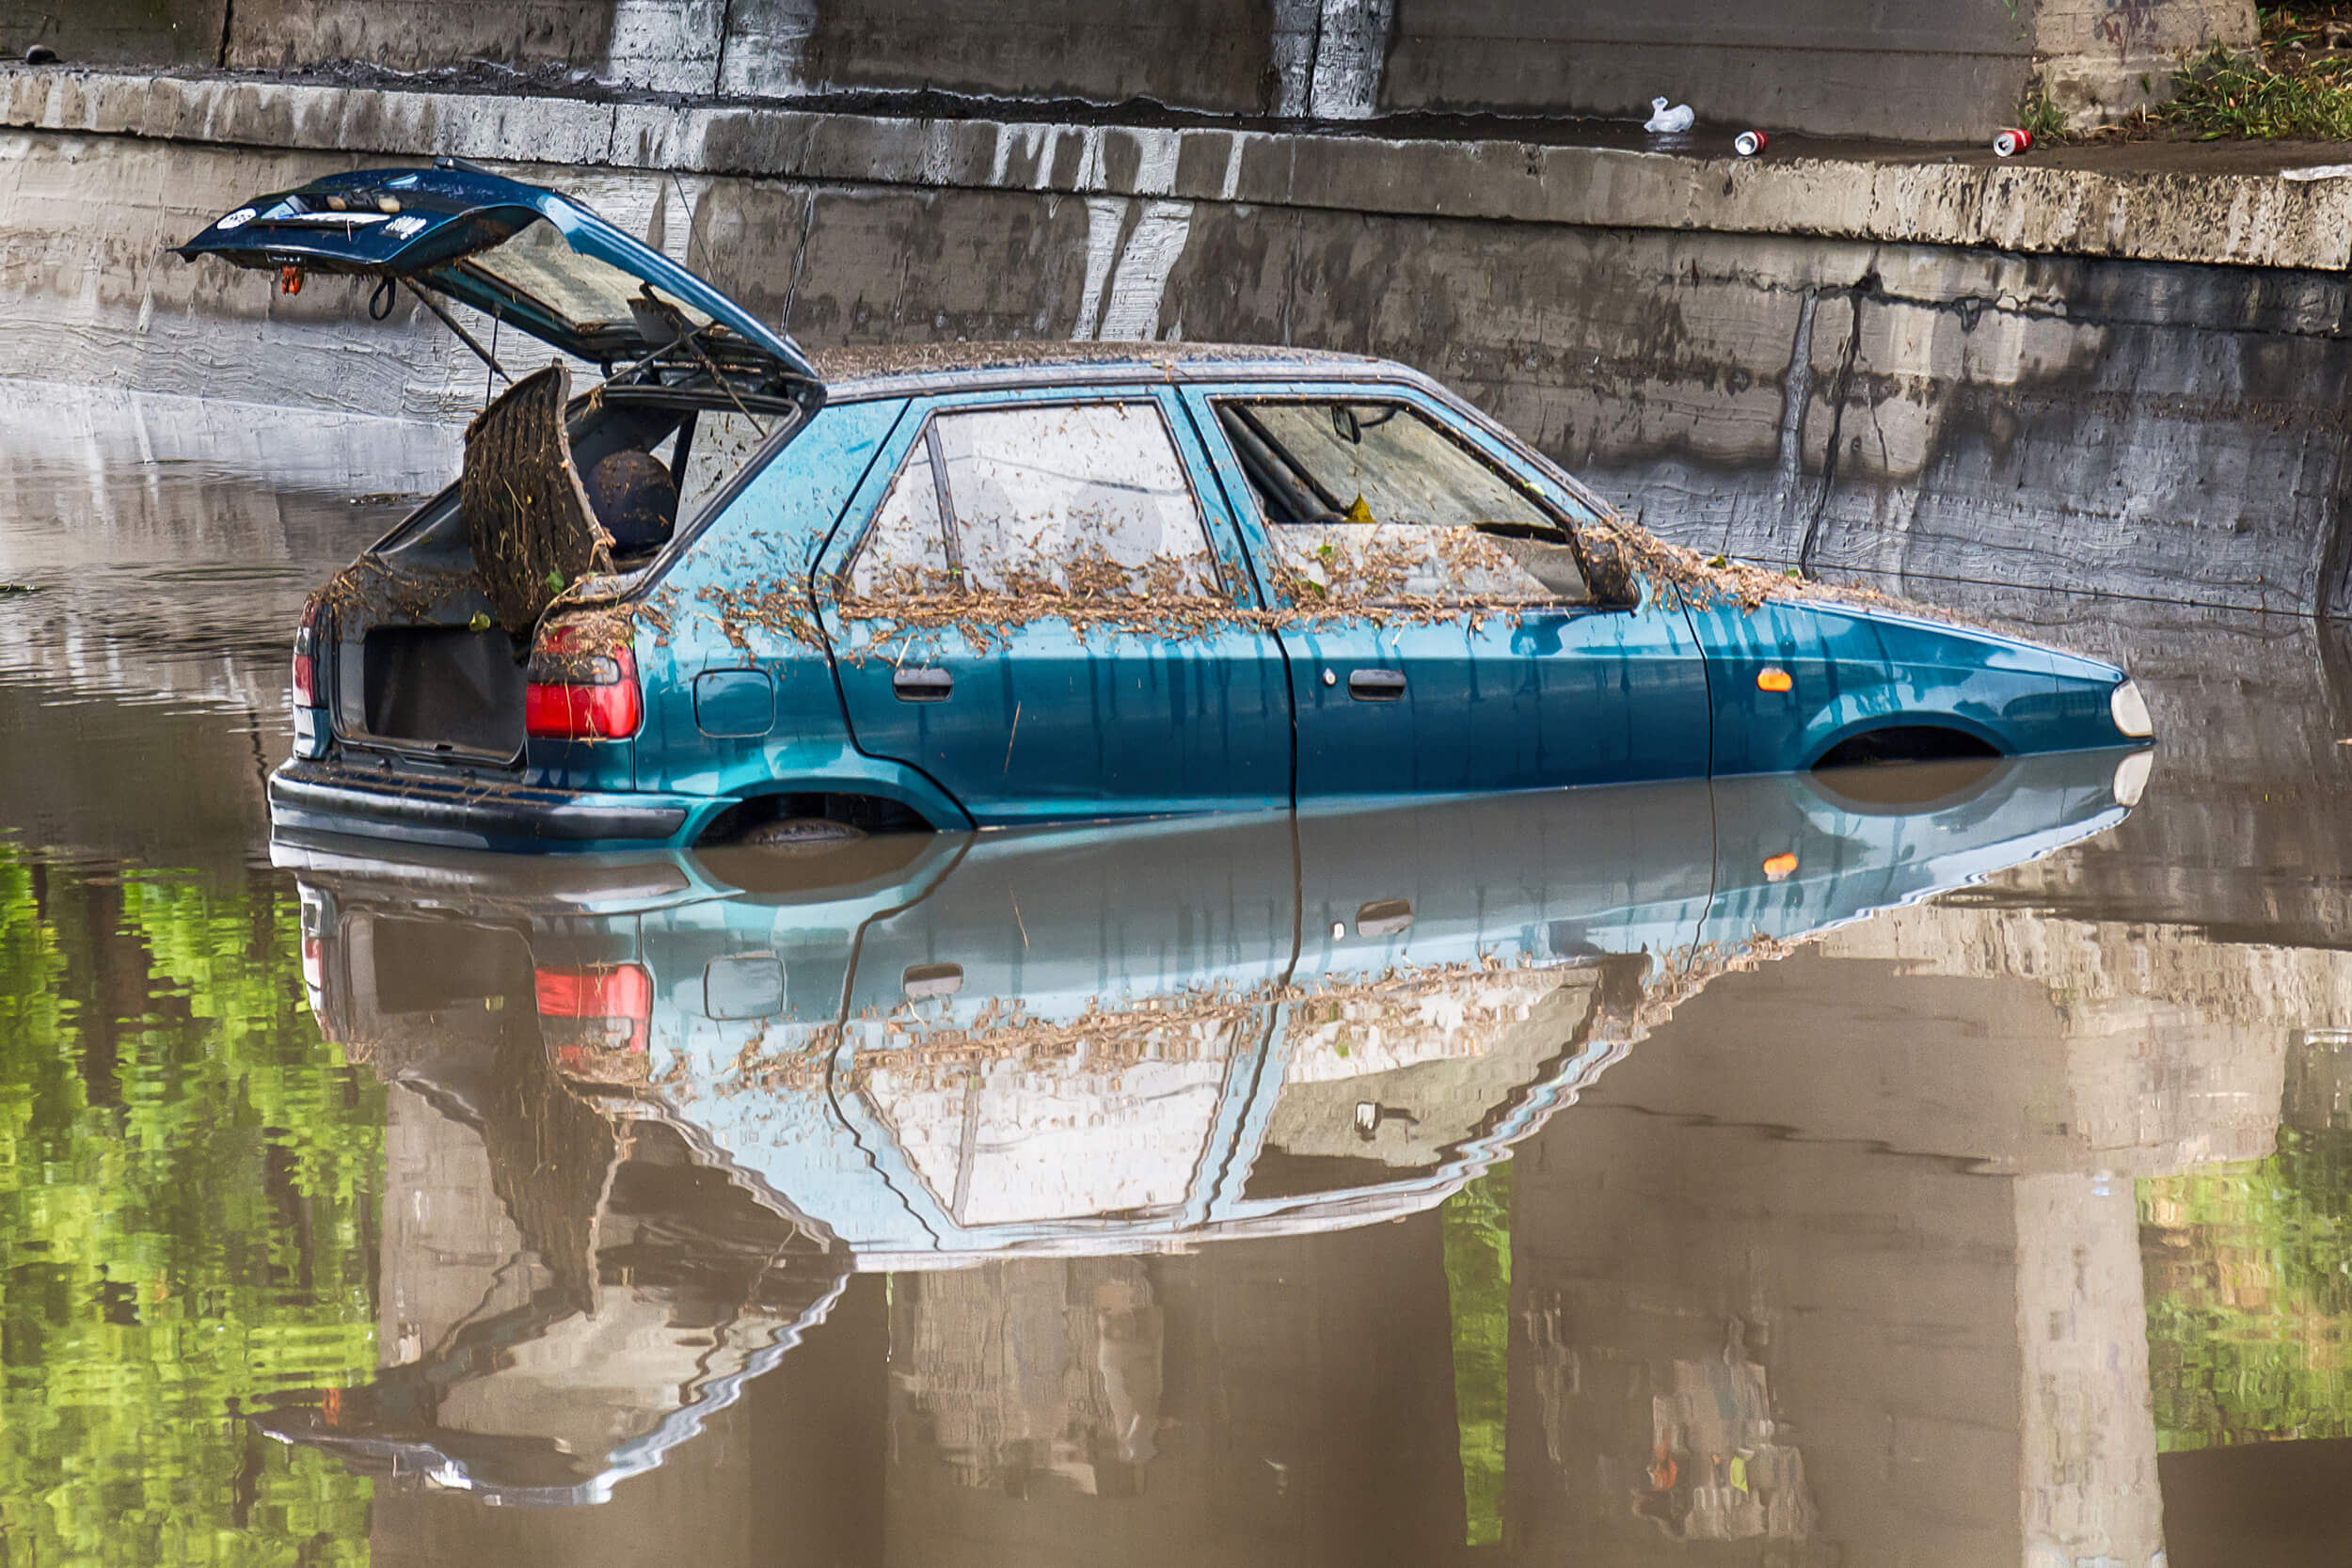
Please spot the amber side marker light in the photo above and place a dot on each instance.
(1780, 867)
(1774, 678)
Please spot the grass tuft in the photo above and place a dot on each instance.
(2298, 84)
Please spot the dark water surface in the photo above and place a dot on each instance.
(1756, 1174)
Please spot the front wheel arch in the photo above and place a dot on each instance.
(1908, 737)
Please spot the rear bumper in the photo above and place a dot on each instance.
(312, 797)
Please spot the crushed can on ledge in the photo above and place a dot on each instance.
(1750, 143)
(2011, 142)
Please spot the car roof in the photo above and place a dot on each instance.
(869, 372)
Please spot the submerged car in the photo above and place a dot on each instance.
(735, 590)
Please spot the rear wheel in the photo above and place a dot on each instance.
(809, 818)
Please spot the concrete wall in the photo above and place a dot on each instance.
(1857, 401)
(409, 34)
(117, 32)
(1918, 69)
(1922, 69)
(1213, 55)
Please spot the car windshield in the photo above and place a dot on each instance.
(1374, 500)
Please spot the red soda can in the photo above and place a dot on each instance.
(1750, 143)
(2011, 142)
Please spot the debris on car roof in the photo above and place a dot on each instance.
(872, 362)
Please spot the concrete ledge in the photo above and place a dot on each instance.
(2235, 217)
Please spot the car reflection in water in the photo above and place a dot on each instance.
(710, 1087)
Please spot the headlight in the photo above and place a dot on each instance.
(2131, 778)
(2129, 710)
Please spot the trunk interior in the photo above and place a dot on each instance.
(450, 679)
(441, 689)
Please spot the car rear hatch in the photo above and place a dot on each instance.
(524, 255)
(424, 644)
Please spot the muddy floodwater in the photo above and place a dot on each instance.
(1764, 1173)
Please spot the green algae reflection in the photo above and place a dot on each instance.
(2248, 1273)
(185, 1224)
(1478, 1287)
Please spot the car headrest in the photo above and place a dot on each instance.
(636, 500)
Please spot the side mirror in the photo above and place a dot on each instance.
(1608, 572)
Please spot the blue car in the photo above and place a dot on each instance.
(733, 591)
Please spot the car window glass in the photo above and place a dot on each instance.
(1089, 499)
(541, 266)
(722, 444)
(905, 552)
(1373, 501)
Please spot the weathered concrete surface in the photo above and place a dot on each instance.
(1943, 67)
(1922, 69)
(1853, 400)
(2099, 59)
(2167, 431)
(663, 45)
(1213, 55)
(2096, 207)
(117, 32)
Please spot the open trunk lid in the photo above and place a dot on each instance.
(531, 256)
(429, 641)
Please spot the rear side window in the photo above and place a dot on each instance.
(1376, 502)
(905, 554)
(1087, 499)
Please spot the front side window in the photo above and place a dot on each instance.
(1376, 502)
(1082, 500)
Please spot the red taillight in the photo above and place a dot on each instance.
(577, 693)
(306, 668)
(600, 1010)
(564, 712)
(618, 991)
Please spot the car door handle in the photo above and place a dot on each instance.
(922, 686)
(1376, 686)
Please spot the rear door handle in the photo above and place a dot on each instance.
(922, 686)
(1376, 686)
